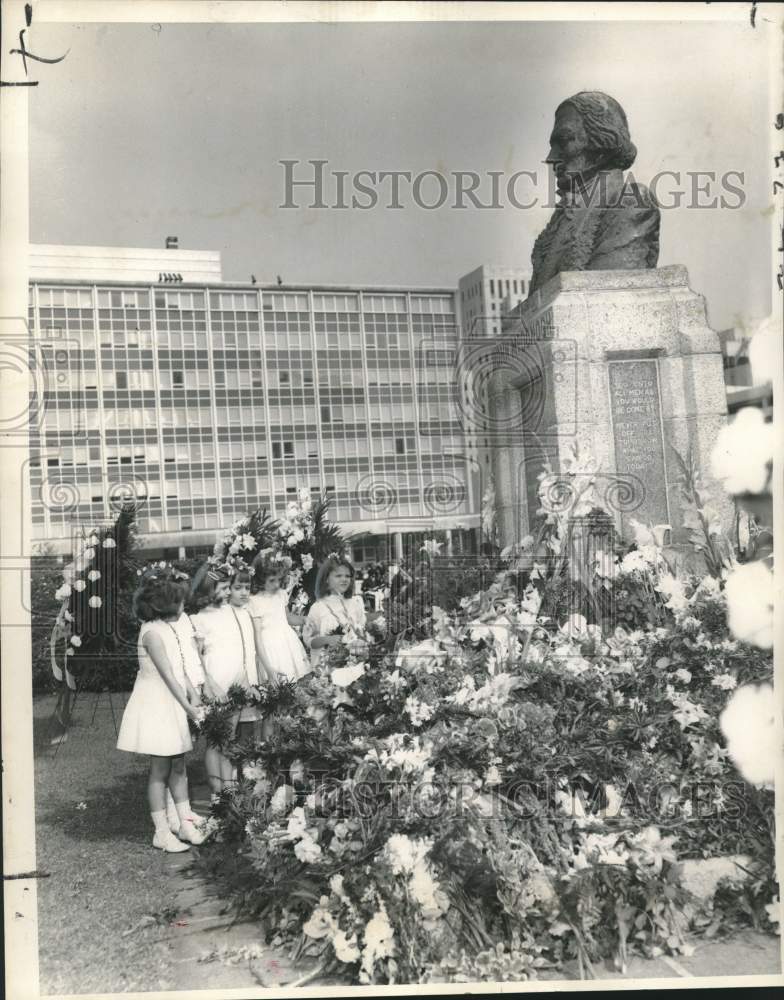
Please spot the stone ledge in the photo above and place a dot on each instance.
(671, 276)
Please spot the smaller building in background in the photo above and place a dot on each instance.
(735, 348)
(488, 292)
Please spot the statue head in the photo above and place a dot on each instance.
(590, 134)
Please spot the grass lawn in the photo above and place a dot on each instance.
(104, 911)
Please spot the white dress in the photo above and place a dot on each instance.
(277, 644)
(153, 721)
(229, 649)
(329, 612)
(187, 634)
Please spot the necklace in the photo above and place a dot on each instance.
(242, 637)
(179, 645)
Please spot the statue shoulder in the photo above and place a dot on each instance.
(634, 195)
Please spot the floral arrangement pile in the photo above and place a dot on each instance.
(521, 788)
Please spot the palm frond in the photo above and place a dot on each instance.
(327, 536)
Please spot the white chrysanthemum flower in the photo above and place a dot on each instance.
(749, 726)
(254, 772)
(282, 799)
(93, 575)
(307, 850)
(418, 711)
(80, 585)
(76, 641)
(673, 588)
(727, 682)
(109, 543)
(683, 675)
(749, 592)
(95, 601)
(742, 452)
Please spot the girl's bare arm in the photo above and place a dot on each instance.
(155, 647)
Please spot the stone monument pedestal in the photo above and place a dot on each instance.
(623, 364)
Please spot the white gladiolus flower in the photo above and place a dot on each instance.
(742, 452)
(95, 601)
(749, 592)
(346, 949)
(320, 925)
(492, 777)
(93, 575)
(749, 726)
(342, 677)
(379, 940)
(297, 823)
(764, 353)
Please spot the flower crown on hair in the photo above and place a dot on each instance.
(219, 571)
(339, 557)
(160, 571)
(234, 564)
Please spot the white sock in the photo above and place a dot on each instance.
(171, 810)
(184, 811)
(161, 823)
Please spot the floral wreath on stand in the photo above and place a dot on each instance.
(87, 620)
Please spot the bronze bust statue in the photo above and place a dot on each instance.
(602, 221)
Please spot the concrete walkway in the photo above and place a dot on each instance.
(206, 925)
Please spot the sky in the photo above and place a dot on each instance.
(149, 131)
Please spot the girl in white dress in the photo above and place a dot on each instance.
(279, 650)
(228, 654)
(155, 720)
(334, 615)
(249, 724)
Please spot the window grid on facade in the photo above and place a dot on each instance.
(168, 390)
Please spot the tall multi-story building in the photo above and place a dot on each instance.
(488, 292)
(204, 399)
